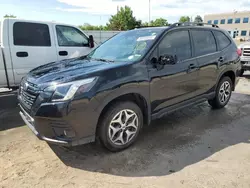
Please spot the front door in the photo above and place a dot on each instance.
(173, 83)
(30, 46)
(71, 42)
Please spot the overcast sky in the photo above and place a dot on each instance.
(97, 12)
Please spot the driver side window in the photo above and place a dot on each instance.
(70, 36)
(176, 43)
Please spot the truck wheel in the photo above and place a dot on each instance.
(223, 93)
(120, 126)
(241, 72)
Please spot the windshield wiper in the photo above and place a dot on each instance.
(103, 60)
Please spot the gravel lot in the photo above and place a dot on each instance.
(194, 147)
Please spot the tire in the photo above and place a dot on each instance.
(241, 72)
(120, 126)
(218, 101)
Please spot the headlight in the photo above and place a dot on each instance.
(67, 91)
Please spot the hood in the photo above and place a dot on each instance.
(67, 70)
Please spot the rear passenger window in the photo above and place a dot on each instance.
(204, 42)
(31, 34)
(222, 40)
(176, 43)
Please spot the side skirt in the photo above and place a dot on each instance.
(184, 104)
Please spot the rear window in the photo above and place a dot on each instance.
(222, 40)
(204, 42)
(31, 34)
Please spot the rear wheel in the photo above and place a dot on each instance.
(223, 93)
(120, 126)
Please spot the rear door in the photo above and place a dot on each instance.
(208, 57)
(31, 45)
(71, 42)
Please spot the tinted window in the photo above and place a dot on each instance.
(245, 20)
(70, 36)
(237, 20)
(204, 42)
(222, 40)
(243, 33)
(209, 21)
(230, 21)
(31, 34)
(216, 21)
(176, 43)
(222, 21)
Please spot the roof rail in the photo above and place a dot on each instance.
(138, 27)
(192, 24)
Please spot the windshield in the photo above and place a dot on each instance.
(127, 46)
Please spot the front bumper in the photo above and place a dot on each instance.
(64, 123)
(245, 61)
(246, 66)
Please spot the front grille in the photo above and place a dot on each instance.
(246, 52)
(28, 94)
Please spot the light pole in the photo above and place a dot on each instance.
(149, 19)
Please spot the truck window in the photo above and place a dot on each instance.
(0, 33)
(31, 34)
(70, 36)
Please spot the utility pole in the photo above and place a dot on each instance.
(149, 18)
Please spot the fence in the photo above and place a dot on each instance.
(101, 36)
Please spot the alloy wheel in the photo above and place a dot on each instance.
(225, 91)
(123, 127)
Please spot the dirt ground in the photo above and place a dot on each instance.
(195, 147)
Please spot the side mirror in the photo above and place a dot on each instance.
(167, 59)
(91, 41)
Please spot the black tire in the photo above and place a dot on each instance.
(104, 125)
(241, 72)
(216, 101)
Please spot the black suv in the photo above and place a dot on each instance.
(125, 83)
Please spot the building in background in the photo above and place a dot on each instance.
(236, 23)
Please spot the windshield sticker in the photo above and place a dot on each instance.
(146, 38)
(140, 46)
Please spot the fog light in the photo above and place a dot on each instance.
(69, 133)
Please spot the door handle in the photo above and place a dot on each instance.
(63, 53)
(221, 59)
(192, 68)
(22, 54)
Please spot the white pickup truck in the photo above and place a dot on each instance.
(25, 45)
(245, 57)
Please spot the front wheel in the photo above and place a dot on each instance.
(120, 126)
(223, 93)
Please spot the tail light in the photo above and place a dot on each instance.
(239, 52)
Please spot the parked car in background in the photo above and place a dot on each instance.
(25, 45)
(131, 79)
(245, 57)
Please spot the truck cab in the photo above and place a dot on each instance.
(28, 44)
